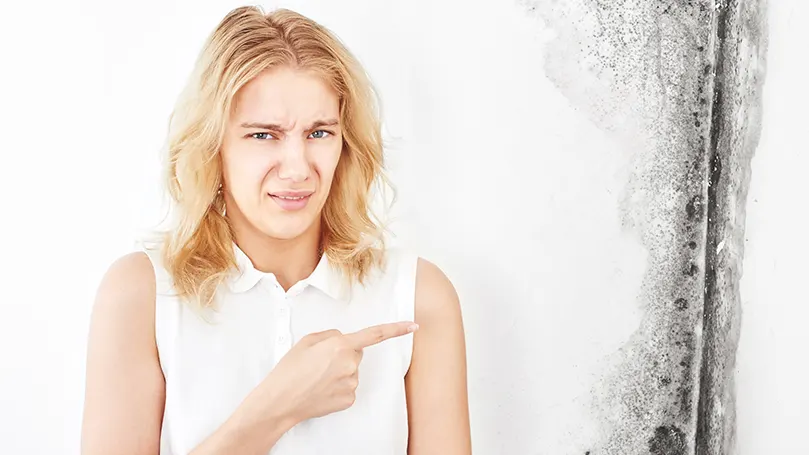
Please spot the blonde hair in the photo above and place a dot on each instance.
(197, 251)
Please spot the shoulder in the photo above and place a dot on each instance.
(132, 272)
(434, 292)
(127, 290)
(436, 297)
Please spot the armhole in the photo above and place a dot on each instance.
(406, 300)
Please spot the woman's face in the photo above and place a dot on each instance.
(281, 147)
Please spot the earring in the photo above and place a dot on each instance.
(224, 205)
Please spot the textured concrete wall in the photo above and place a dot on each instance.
(683, 78)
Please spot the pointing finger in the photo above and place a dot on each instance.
(379, 333)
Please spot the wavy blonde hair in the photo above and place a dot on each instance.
(197, 251)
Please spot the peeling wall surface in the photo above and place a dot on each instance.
(578, 168)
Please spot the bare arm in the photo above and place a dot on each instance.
(124, 394)
(436, 382)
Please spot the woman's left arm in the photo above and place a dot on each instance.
(437, 403)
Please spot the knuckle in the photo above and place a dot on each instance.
(341, 345)
(336, 343)
(378, 335)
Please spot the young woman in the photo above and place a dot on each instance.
(271, 318)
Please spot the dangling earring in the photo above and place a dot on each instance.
(224, 206)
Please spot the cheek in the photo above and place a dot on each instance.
(326, 167)
(245, 173)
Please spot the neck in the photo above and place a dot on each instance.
(290, 260)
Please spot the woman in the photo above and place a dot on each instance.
(271, 317)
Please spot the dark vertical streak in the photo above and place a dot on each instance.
(711, 238)
(738, 53)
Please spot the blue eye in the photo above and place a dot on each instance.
(262, 134)
(321, 131)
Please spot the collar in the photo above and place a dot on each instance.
(326, 277)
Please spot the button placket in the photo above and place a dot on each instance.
(283, 341)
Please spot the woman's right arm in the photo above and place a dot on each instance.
(125, 388)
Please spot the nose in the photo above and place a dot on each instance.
(293, 164)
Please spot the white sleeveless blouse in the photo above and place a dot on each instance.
(210, 365)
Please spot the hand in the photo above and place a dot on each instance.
(319, 375)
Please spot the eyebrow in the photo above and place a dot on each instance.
(276, 127)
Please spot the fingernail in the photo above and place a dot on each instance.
(413, 327)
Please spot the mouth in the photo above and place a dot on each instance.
(291, 200)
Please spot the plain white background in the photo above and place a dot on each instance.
(547, 279)
(773, 357)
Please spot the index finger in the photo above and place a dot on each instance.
(379, 333)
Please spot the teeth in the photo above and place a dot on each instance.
(291, 198)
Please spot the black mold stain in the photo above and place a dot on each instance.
(684, 399)
(693, 209)
(656, 86)
(653, 63)
(667, 440)
(703, 428)
(685, 393)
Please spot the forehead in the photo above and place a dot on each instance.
(285, 95)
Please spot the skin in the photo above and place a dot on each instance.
(125, 388)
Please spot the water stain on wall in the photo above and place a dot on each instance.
(679, 83)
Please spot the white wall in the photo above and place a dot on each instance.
(511, 191)
(773, 359)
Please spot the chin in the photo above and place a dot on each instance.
(286, 230)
